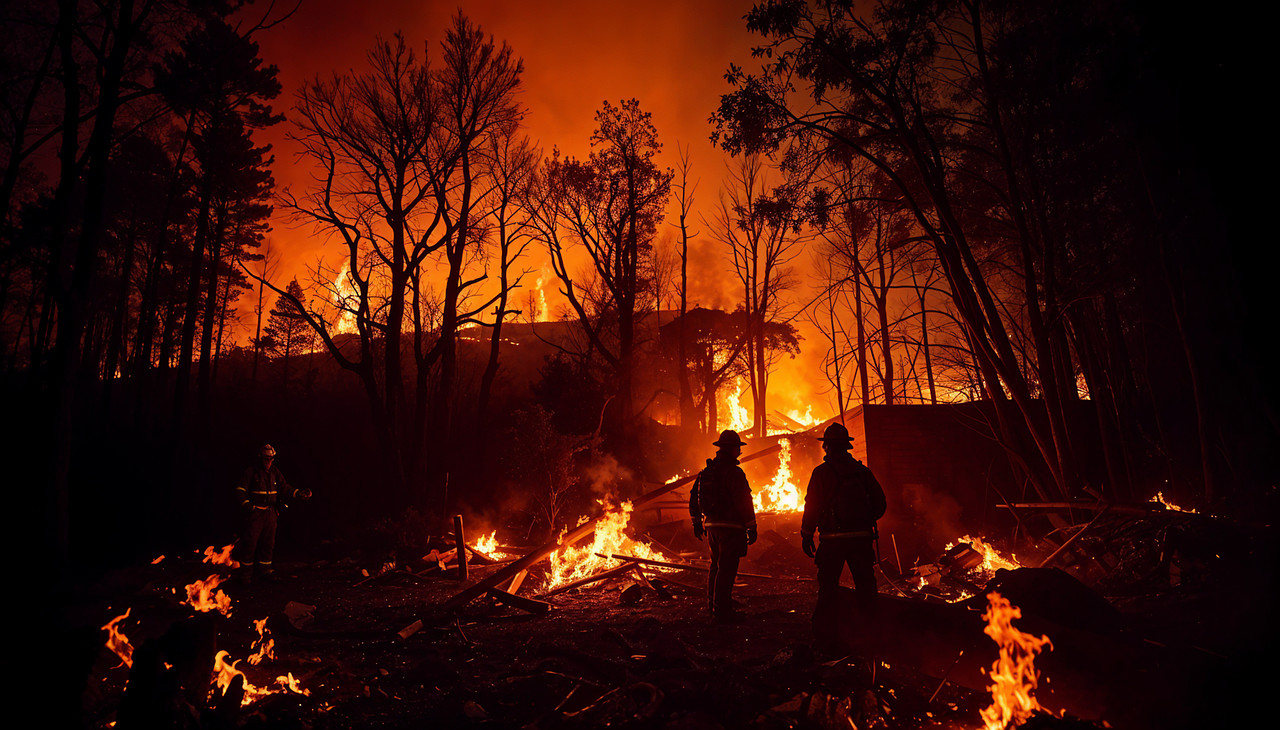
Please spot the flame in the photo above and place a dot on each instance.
(780, 495)
(157, 560)
(204, 596)
(734, 415)
(1160, 499)
(117, 642)
(1014, 673)
(991, 559)
(225, 672)
(569, 563)
(804, 419)
(344, 298)
(488, 546)
(220, 557)
(264, 643)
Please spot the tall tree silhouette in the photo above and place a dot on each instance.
(610, 206)
(288, 333)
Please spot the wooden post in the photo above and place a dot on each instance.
(462, 547)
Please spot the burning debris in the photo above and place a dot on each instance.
(117, 642)
(221, 557)
(204, 595)
(781, 494)
(571, 564)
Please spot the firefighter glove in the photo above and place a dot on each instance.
(806, 544)
(698, 532)
(751, 535)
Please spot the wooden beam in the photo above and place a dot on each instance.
(462, 547)
(699, 568)
(531, 605)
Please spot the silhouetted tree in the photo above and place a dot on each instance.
(288, 333)
(609, 206)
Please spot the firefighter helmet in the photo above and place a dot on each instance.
(729, 437)
(267, 451)
(837, 435)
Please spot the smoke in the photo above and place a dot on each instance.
(934, 514)
(606, 477)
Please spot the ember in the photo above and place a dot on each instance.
(220, 557)
(264, 643)
(117, 642)
(204, 596)
(1014, 673)
(1159, 498)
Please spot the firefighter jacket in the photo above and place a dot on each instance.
(261, 488)
(844, 499)
(721, 496)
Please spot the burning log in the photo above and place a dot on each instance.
(604, 575)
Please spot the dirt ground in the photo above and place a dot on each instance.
(598, 658)
(620, 654)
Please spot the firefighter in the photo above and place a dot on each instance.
(842, 504)
(721, 509)
(262, 492)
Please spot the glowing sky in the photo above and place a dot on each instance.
(670, 55)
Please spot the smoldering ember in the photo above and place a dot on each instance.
(677, 365)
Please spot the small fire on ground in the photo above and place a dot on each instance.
(571, 563)
(1014, 676)
(1160, 499)
(992, 560)
(117, 642)
(220, 557)
(488, 547)
(226, 672)
(204, 596)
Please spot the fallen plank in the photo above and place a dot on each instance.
(530, 605)
(700, 568)
(1132, 509)
(461, 549)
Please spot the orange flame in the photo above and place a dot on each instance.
(225, 672)
(488, 546)
(204, 596)
(117, 642)
(220, 557)
(1160, 499)
(1014, 673)
(734, 415)
(264, 643)
(782, 494)
(157, 560)
(992, 560)
(569, 563)
(344, 297)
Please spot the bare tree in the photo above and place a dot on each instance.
(761, 228)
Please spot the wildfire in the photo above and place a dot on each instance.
(488, 546)
(1014, 673)
(264, 643)
(780, 495)
(204, 596)
(569, 563)
(991, 559)
(1160, 499)
(226, 672)
(804, 419)
(734, 415)
(117, 642)
(220, 557)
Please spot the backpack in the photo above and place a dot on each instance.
(851, 503)
(710, 495)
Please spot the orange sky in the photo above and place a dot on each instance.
(669, 54)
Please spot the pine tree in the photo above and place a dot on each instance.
(287, 333)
